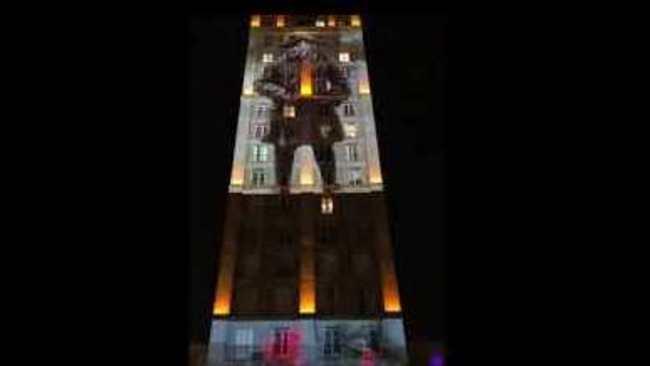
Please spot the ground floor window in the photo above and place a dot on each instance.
(243, 348)
(332, 344)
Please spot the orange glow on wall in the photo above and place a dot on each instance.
(306, 79)
(389, 288)
(280, 21)
(364, 86)
(237, 177)
(307, 282)
(306, 174)
(307, 298)
(255, 21)
(375, 175)
(356, 21)
(391, 299)
(224, 286)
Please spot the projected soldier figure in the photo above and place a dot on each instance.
(305, 86)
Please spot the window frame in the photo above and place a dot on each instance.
(260, 153)
(243, 344)
(258, 177)
(352, 152)
(281, 348)
(332, 342)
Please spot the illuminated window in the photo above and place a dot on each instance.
(280, 21)
(259, 177)
(260, 153)
(327, 205)
(267, 57)
(355, 20)
(351, 152)
(289, 111)
(320, 23)
(255, 21)
(331, 21)
(332, 344)
(243, 344)
(348, 109)
(350, 130)
(281, 341)
(344, 57)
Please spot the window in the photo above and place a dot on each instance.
(281, 341)
(351, 152)
(348, 109)
(372, 338)
(344, 72)
(327, 232)
(259, 177)
(355, 21)
(355, 177)
(260, 153)
(331, 21)
(289, 111)
(268, 40)
(261, 112)
(280, 21)
(344, 57)
(243, 344)
(267, 57)
(327, 205)
(350, 130)
(332, 344)
(255, 21)
(260, 130)
(320, 23)
(324, 110)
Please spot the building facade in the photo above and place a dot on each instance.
(306, 273)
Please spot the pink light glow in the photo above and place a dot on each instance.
(368, 357)
(289, 356)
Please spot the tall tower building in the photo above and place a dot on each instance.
(306, 273)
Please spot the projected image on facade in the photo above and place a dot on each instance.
(306, 121)
(307, 84)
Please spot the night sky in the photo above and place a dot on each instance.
(406, 55)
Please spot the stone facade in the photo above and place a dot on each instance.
(305, 278)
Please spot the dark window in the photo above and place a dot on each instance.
(259, 177)
(281, 341)
(332, 345)
(372, 338)
(348, 109)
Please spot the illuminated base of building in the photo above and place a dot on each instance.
(310, 342)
